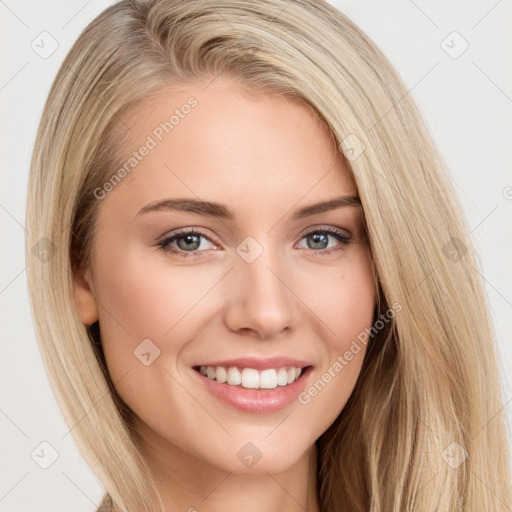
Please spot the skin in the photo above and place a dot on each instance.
(264, 157)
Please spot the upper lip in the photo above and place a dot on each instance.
(259, 363)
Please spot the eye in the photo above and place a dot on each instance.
(319, 239)
(187, 240)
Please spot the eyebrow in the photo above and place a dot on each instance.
(222, 211)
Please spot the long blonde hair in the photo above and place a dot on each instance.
(428, 393)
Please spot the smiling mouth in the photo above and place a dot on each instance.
(250, 378)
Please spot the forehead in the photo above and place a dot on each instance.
(221, 142)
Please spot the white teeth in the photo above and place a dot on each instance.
(251, 378)
(221, 375)
(282, 377)
(268, 379)
(234, 377)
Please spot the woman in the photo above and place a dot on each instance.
(206, 351)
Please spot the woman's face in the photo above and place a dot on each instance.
(259, 277)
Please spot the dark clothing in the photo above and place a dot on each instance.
(105, 505)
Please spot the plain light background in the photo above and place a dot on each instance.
(465, 95)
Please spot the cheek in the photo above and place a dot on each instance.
(345, 306)
(146, 298)
(344, 299)
(144, 292)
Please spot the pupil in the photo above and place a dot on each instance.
(189, 240)
(317, 238)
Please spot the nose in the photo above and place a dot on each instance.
(261, 300)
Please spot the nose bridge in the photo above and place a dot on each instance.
(260, 297)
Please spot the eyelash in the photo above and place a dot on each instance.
(164, 244)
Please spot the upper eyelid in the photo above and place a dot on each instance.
(325, 227)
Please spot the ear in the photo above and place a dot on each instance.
(84, 298)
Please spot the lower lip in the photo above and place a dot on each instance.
(257, 400)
